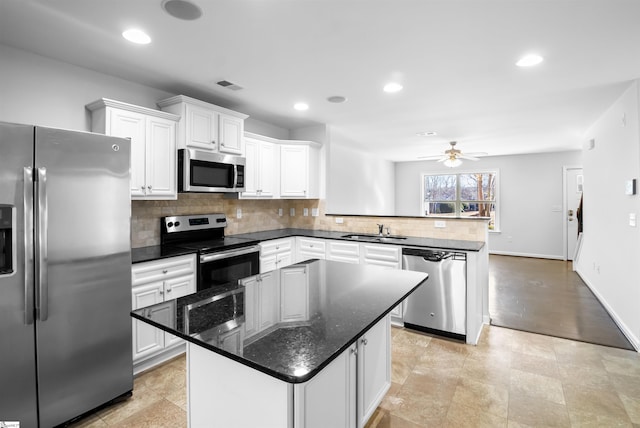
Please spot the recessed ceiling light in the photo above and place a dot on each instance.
(182, 9)
(392, 87)
(137, 36)
(301, 106)
(337, 99)
(427, 134)
(529, 60)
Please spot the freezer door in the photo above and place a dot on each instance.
(17, 331)
(83, 332)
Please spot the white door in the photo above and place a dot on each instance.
(573, 194)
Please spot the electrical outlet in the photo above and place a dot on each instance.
(292, 212)
(305, 212)
(632, 219)
(239, 213)
(440, 223)
(280, 212)
(339, 220)
(314, 212)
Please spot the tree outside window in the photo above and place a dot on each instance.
(461, 195)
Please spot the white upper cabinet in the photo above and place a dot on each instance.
(207, 126)
(261, 172)
(153, 144)
(300, 170)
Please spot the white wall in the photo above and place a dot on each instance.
(358, 183)
(41, 91)
(610, 255)
(529, 192)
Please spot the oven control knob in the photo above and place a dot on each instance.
(177, 223)
(170, 224)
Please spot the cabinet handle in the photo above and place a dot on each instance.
(142, 188)
(149, 187)
(168, 290)
(164, 271)
(365, 341)
(354, 351)
(161, 293)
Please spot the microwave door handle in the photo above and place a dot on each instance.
(235, 176)
(41, 245)
(28, 245)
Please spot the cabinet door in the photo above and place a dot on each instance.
(161, 159)
(294, 294)
(374, 368)
(284, 258)
(173, 289)
(252, 168)
(294, 168)
(231, 134)
(268, 299)
(146, 338)
(127, 124)
(251, 306)
(267, 164)
(329, 398)
(201, 128)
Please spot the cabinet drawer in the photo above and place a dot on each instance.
(383, 253)
(312, 246)
(275, 246)
(159, 270)
(347, 252)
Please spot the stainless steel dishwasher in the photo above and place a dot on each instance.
(438, 306)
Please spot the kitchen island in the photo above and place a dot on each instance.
(302, 346)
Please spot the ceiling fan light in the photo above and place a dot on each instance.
(452, 163)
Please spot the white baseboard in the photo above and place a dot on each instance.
(621, 324)
(535, 256)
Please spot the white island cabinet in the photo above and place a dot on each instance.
(324, 361)
(342, 395)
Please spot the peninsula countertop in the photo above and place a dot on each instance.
(342, 302)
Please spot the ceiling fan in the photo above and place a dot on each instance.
(453, 157)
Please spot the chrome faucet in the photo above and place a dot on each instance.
(380, 229)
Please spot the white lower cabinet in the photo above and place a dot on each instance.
(294, 294)
(310, 248)
(342, 251)
(155, 282)
(347, 391)
(260, 302)
(343, 395)
(276, 254)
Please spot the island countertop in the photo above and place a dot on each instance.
(336, 302)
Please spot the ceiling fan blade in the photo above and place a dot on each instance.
(437, 157)
(471, 158)
(476, 154)
(443, 159)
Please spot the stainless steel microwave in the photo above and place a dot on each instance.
(202, 172)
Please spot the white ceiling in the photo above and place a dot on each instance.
(455, 59)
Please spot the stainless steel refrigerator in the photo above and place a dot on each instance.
(65, 273)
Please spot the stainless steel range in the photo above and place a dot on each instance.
(221, 259)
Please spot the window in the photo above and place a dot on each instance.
(471, 194)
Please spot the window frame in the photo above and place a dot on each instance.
(457, 201)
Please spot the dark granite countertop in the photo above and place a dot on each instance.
(156, 252)
(409, 241)
(342, 302)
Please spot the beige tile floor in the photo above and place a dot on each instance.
(510, 379)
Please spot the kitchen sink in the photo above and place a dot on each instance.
(373, 238)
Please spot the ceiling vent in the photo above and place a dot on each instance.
(229, 85)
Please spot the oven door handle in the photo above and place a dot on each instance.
(205, 258)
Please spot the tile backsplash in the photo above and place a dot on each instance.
(257, 215)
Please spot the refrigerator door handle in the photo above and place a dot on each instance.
(28, 245)
(42, 302)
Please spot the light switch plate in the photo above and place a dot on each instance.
(305, 212)
(292, 212)
(314, 212)
(440, 223)
(239, 213)
(280, 212)
(339, 220)
(632, 219)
